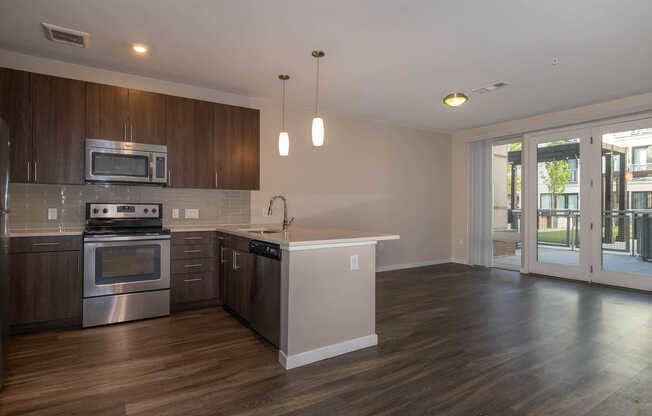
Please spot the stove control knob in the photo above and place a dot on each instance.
(145, 210)
(153, 210)
(105, 211)
(95, 210)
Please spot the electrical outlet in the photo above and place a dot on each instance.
(52, 214)
(192, 213)
(354, 262)
(175, 212)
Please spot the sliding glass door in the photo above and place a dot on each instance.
(622, 250)
(558, 194)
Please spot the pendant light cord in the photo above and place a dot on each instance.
(283, 107)
(317, 90)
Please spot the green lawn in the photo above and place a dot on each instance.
(557, 237)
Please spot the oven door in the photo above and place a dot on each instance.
(130, 265)
(118, 165)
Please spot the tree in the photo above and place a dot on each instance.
(556, 178)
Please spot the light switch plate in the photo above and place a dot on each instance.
(52, 214)
(192, 213)
(354, 262)
(175, 212)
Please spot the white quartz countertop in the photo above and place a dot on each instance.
(45, 232)
(303, 237)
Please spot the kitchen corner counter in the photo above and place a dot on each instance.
(299, 238)
(45, 232)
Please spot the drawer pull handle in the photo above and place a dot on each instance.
(193, 238)
(45, 244)
(221, 238)
(192, 265)
(190, 280)
(192, 251)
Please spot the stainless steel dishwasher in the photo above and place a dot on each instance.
(266, 290)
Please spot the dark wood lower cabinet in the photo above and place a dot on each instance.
(194, 287)
(237, 285)
(45, 290)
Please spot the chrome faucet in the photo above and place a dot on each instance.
(286, 222)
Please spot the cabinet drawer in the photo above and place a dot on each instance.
(237, 243)
(192, 252)
(44, 244)
(193, 265)
(194, 287)
(193, 238)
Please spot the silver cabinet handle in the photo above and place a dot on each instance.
(215, 178)
(192, 265)
(169, 177)
(35, 171)
(131, 130)
(235, 261)
(190, 280)
(45, 244)
(221, 238)
(124, 130)
(192, 251)
(29, 168)
(221, 255)
(193, 238)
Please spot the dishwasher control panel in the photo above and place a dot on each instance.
(262, 248)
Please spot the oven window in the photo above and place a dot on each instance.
(113, 164)
(127, 264)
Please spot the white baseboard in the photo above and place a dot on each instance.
(329, 351)
(417, 264)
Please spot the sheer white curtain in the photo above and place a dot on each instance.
(480, 203)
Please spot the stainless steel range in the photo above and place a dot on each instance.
(126, 263)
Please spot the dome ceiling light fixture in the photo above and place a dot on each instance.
(455, 99)
(283, 137)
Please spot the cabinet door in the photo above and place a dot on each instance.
(16, 110)
(243, 271)
(189, 139)
(107, 111)
(59, 107)
(228, 278)
(146, 117)
(45, 287)
(237, 147)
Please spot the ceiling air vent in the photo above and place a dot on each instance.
(489, 88)
(65, 35)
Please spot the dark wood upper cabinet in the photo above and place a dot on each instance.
(16, 110)
(189, 127)
(107, 111)
(59, 115)
(147, 117)
(237, 147)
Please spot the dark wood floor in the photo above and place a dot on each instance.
(453, 341)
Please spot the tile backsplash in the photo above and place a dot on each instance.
(29, 204)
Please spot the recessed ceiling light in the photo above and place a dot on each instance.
(139, 48)
(455, 99)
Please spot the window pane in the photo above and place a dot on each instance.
(626, 197)
(558, 232)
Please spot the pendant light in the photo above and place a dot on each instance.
(317, 121)
(283, 137)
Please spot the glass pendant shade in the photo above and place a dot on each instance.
(283, 143)
(317, 131)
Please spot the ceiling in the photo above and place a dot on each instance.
(390, 60)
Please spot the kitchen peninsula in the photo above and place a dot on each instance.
(327, 287)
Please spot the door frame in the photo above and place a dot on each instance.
(531, 178)
(614, 278)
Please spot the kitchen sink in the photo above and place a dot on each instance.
(261, 230)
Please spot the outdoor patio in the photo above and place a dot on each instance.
(621, 262)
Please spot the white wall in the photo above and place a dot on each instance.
(459, 173)
(369, 176)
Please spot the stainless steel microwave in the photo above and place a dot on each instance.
(112, 161)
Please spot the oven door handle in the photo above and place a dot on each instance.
(112, 238)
